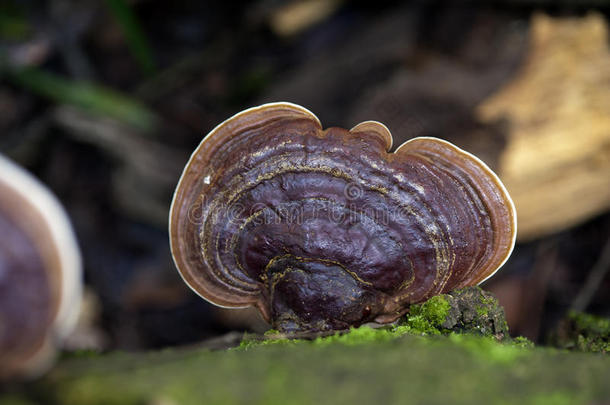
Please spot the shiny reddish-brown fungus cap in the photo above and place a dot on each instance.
(324, 229)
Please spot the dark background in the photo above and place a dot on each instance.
(105, 100)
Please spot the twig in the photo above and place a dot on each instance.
(596, 276)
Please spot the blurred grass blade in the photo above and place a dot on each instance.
(134, 35)
(88, 96)
(13, 26)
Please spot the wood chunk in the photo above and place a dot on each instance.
(556, 164)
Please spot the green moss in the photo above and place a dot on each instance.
(249, 342)
(466, 310)
(272, 332)
(81, 353)
(583, 332)
(427, 318)
(489, 348)
(591, 325)
(435, 309)
(390, 364)
(407, 369)
(488, 300)
(355, 336)
(362, 335)
(523, 342)
(481, 311)
(560, 397)
(586, 344)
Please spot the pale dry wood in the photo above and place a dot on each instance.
(556, 164)
(297, 16)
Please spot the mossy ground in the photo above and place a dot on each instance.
(419, 360)
(459, 369)
(583, 332)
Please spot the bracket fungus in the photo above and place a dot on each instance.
(324, 229)
(40, 274)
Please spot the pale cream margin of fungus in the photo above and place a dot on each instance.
(58, 223)
(389, 142)
(487, 169)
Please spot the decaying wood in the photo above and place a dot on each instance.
(556, 164)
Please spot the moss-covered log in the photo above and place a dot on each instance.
(422, 360)
(410, 369)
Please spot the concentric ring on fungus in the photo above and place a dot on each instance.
(325, 229)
